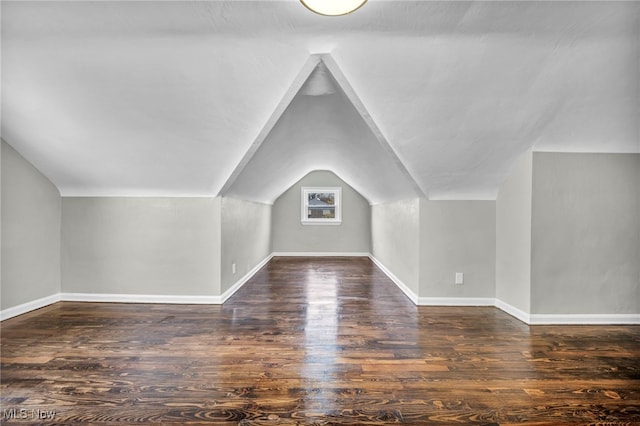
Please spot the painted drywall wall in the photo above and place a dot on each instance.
(31, 209)
(1, 224)
(395, 239)
(457, 236)
(513, 237)
(352, 236)
(586, 234)
(246, 238)
(149, 246)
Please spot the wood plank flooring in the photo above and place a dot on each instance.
(313, 341)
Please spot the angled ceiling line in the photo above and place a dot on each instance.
(327, 170)
(353, 97)
(309, 66)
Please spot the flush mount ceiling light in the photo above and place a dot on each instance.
(333, 7)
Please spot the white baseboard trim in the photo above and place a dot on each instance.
(318, 254)
(530, 319)
(456, 301)
(584, 319)
(131, 298)
(397, 281)
(29, 306)
(513, 311)
(242, 281)
(141, 298)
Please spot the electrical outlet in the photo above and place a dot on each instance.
(233, 268)
(459, 278)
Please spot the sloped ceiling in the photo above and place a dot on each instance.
(169, 98)
(323, 127)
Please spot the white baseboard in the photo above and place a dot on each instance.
(141, 298)
(456, 301)
(584, 319)
(397, 281)
(29, 306)
(131, 298)
(531, 319)
(318, 254)
(242, 281)
(513, 311)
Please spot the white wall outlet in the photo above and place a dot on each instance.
(233, 268)
(459, 278)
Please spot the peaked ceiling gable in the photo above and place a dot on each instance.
(164, 98)
(321, 124)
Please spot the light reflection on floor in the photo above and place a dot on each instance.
(321, 336)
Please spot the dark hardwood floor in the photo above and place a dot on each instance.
(313, 341)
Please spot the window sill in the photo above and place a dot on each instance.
(321, 222)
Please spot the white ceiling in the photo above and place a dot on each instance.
(323, 125)
(192, 98)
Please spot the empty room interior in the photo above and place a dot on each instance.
(262, 213)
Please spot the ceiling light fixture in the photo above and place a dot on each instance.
(333, 7)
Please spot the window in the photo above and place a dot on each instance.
(321, 206)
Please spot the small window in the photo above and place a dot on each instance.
(321, 206)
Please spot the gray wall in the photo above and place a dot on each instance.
(457, 236)
(513, 237)
(246, 238)
(1, 223)
(353, 235)
(395, 236)
(155, 246)
(30, 232)
(586, 234)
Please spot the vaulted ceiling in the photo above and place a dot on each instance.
(243, 98)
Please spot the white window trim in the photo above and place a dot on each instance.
(305, 205)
